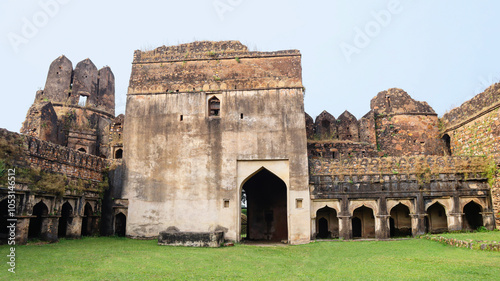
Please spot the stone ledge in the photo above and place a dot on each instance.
(191, 239)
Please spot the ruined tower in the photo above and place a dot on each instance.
(205, 121)
(76, 107)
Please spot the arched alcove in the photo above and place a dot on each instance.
(327, 223)
(438, 221)
(120, 224)
(447, 144)
(119, 153)
(65, 219)
(40, 211)
(4, 215)
(87, 220)
(473, 219)
(400, 221)
(367, 219)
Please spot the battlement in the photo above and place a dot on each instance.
(213, 66)
(204, 50)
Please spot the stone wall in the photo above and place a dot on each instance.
(337, 149)
(65, 182)
(474, 129)
(213, 66)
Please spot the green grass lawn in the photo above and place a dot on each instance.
(109, 258)
(476, 236)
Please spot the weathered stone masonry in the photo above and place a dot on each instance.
(474, 129)
(41, 211)
(380, 184)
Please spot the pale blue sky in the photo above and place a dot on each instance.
(442, 52)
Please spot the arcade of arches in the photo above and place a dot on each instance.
(51, 219)
(399, 222)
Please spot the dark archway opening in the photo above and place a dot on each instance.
(400, 221)
(82, 150)
(120, 224)
(473, 217)
(447, 144)
(365, 214)
(356, 227)
(87, 220)
(65, 220)
(323, 228)
(266, 207)
(4, 215)
(327, 223)
(119, 154)
(40, 211)
(438, 221)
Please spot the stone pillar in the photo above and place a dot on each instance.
(345, 224)
(417, 224)
(95, 225)
(313, 228)
(74, 229)
(22, 228)
(49, 228)
(382, 230)
(488, 220)
(455, 215)
(345, 229)
(455, 221)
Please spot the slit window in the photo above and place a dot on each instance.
(226, 203)
(214, 106)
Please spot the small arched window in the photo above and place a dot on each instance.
(214, 106)
(119, 154)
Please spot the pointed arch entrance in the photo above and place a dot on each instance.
(120, 224)
(438, 221)
(40, 211)
(400, 221)
(363, 223)
(473, 216)
(87, 220)
(65, 219)
(266, 196)
(327, 223)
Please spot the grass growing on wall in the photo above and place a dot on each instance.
(124, 259)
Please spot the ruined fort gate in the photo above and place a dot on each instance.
(205, 121)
